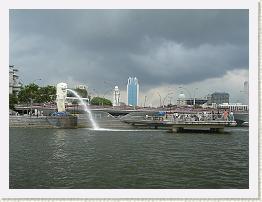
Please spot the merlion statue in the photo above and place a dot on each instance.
(61, 95)
(116, 96)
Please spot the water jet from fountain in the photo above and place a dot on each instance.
(87, 110)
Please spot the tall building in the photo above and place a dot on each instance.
(116, 96)
(246, 86)
(82, 90)
(181, 101)
(81, 86)
(132, 91)
(246, 92)
(14, 84)
(209, 99)
(219, 98)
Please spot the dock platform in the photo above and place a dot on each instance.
(179, 126)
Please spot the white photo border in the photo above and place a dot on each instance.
(252, 192)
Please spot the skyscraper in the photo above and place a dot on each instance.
(246, 92)
(14, 84)
(219, 98)
(132, 91)
(246, 87)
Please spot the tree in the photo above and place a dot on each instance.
(81, 92)
(12, 101)
(70, 94)
(34, 93)
(46, 94)
(28, 93)
(100, 101)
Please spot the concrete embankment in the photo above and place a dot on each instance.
(42, 122)
(29, 122)
(104, 120)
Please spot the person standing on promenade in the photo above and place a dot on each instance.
(231, 116)
(212, 115)
(225, 115)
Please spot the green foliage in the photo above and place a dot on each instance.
(27, 93)
(37, 94)
(100, 101)
(46, 94)
(12, 101)
(81, 92)
(70, 94)
(75, 102)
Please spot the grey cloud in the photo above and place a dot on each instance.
(188, 26)
(157, 46)
(173, 63)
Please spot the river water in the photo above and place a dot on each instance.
(83, 158)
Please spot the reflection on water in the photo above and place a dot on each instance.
(122, 130)
(83, 158)
(59, 154)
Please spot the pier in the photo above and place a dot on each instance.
(180, 125)
(212, 126)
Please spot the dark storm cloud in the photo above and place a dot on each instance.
(157, 46)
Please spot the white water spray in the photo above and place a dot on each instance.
(87, 110)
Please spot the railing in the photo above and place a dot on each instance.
(192, 117)
(198, 117)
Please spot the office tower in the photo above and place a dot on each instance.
(132, 91)
(220, 98)
(246, 87)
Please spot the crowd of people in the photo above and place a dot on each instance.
(204, 116)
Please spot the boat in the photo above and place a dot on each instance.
(246, 124)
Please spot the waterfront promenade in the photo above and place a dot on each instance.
(132, 120)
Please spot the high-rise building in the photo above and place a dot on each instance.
(132, 91)
(14, 84)
(181, 101)
(81, 86)
(219, 98)
(116, 96)
(246, 87)
(246, 92)
(209, 99)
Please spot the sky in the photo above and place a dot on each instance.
(195, 51)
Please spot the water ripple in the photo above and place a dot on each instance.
(81, 158)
